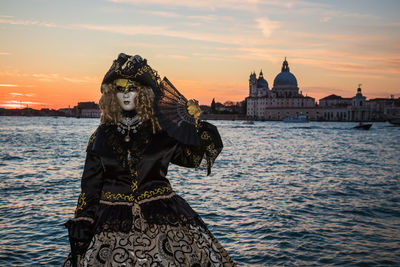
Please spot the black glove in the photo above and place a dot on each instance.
(80, 234)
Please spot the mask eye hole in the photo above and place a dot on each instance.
(120, 89)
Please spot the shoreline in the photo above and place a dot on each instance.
(225, 117)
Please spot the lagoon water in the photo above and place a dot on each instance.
(311, 194)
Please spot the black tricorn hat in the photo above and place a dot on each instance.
(170, 106)
(133, 68)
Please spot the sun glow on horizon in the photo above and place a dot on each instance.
(206, 49)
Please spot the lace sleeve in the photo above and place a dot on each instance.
(203, 156)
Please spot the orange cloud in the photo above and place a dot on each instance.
(351, 67)
(165, 31)
(21, 94)
(27, 22)
(19, 104)
(243, 5)
(267, 26)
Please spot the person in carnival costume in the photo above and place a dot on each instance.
(127, 212)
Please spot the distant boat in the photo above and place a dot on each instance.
(299, 118)
(248, 122)
(362, 126)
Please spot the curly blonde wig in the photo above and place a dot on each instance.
(111, 111)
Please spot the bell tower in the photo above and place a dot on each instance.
(253, 84)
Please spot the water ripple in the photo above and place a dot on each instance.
(280, 194)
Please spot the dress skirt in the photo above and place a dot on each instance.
(156, 245)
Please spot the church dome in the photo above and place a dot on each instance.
(261, 82)
(285, 77)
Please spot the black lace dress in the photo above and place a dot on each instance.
(128, 213)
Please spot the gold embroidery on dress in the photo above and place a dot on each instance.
(145, 195)
(210, 147)
(92, 137)
(140, 142)
(196, 160)
(157, 191)
(119, 196)
(81, 202)
(134, 186)
(133, 172)
(205, 136)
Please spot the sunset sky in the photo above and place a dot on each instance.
(55, 53)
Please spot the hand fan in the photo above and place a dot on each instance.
(173, 116)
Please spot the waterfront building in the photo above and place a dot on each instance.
(69, 112)
(336, 108)
(358, 108)
(283, 99)
(87, 110)
(334, 100)
(385, 107)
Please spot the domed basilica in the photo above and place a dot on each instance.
(263, 103)
(284, 100)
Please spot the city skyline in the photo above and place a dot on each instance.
(55, 53)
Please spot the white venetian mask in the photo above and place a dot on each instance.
(126, 93)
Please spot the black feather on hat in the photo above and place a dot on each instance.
(133, 68)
